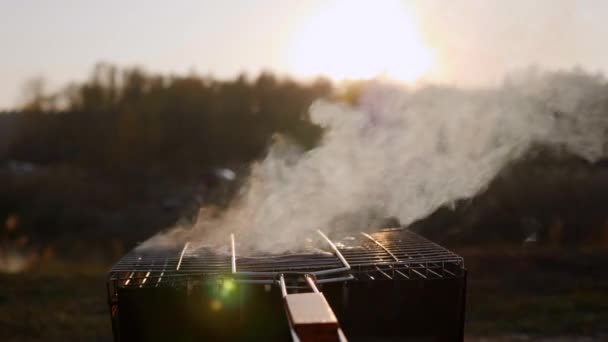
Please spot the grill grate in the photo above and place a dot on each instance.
(387, 254)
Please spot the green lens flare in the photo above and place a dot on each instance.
(228, 286)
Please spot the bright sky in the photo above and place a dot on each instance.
(466, 42)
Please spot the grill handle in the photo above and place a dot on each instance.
(309, 314)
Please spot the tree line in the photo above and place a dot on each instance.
(126, 120)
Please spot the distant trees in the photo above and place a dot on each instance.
(126, 149)
(34, 98)
(126, 120)
(549, 197)
(101, 149)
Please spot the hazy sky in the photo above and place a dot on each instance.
(472, 42)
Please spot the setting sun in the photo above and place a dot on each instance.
(358, 39)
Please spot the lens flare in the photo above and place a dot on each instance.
(228, 286)
(216, 305)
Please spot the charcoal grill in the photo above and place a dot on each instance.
(391, 283)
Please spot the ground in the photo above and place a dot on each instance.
(63, 302)
(537, 293)
(513, 295)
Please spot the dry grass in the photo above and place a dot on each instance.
(537, 293)
(62, 302)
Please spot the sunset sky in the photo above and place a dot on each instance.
(464, 42)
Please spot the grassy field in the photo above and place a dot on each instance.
(513, 295)
(537, 293)
(60, 303)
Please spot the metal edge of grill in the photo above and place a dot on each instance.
(388, 254)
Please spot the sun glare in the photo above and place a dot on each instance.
(360, 39)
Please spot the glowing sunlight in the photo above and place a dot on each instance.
(360, 39)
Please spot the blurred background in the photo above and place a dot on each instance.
(120, 119)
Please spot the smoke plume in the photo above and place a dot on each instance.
(403, 152)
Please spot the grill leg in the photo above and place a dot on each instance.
(463, 305)
(113, 306)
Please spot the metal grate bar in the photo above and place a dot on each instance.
(337, 253)
(383, 273)
(233, 259)
(161, 274)
(181, 256)
(379, 255)
(381, 246)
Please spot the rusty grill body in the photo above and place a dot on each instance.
(390, 283)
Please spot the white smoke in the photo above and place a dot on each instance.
(403, 153)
